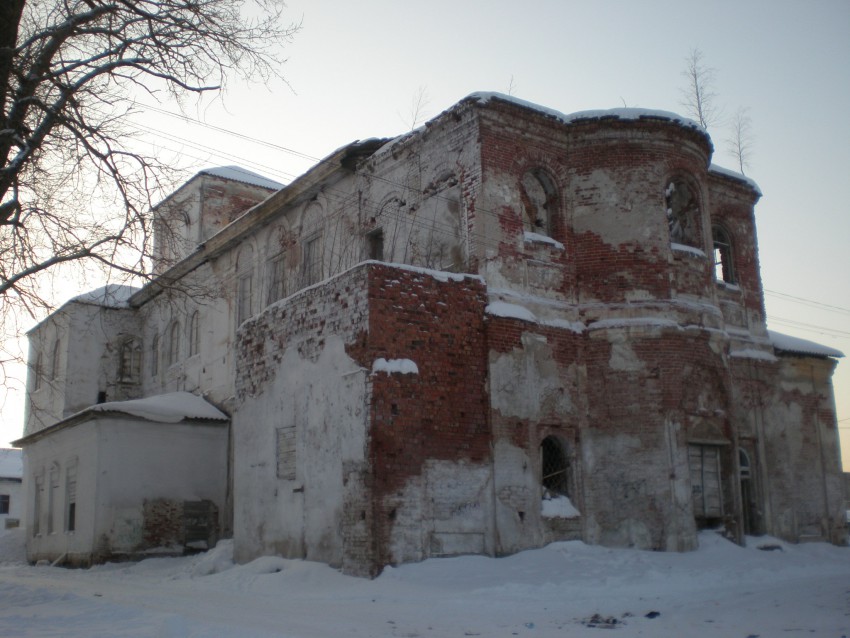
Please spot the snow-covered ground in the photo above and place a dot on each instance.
(566, 589)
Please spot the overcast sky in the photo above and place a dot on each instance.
(356, 70)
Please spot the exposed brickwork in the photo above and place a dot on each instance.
(439, 413)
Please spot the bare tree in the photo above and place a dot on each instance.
(72, 187)
(418, 108)
(698, 96)
(740, 140)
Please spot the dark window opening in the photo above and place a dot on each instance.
(554, 467)
(155, 356)
(5, 502)
(72, 517)
(38, 372)
(101, 397)
(71, 498)
(375, 245)
(723, 267)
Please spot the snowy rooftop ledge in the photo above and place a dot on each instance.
(165, 408)
(109, 296)
(787, 343)
(239, 174)
(617, 113)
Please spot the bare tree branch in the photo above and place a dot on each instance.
(72, 189)
(740, 140)
(698, 96)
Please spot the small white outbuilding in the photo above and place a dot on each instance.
(128, 478)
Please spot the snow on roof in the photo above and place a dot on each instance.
(110, 296)
(11, 463)
(617, 113)
(714, 168)
(239, 174)
(786, 343)
(165, 408)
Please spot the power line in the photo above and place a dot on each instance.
(830, 332)
(221, 129)
(807, 302)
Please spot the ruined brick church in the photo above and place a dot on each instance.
(508, 327)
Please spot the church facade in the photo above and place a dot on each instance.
(509, 327)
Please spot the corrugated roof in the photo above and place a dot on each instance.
(795, 345)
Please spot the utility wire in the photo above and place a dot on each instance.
(808, 302)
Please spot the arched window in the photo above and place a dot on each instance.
(554, 467)
(38, 372)
(174, 343)
(312, 257)
(538, 196)
(130, 364)
(244, 284)
(55, 360)
(724, 269)
(195, 334)
(155, 355)
(683, 212)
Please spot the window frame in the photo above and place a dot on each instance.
(173, 354)
(312, 262)
(195, 333)
(723, 255)
(690, 234)
(549, 204)
(555, 473)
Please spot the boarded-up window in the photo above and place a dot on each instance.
(130, 363)
(286, 453)
(704, 461)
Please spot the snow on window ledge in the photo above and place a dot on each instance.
(558, 507)
(727, 285)
(683, 248)
(389, 366)
(536, 238)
